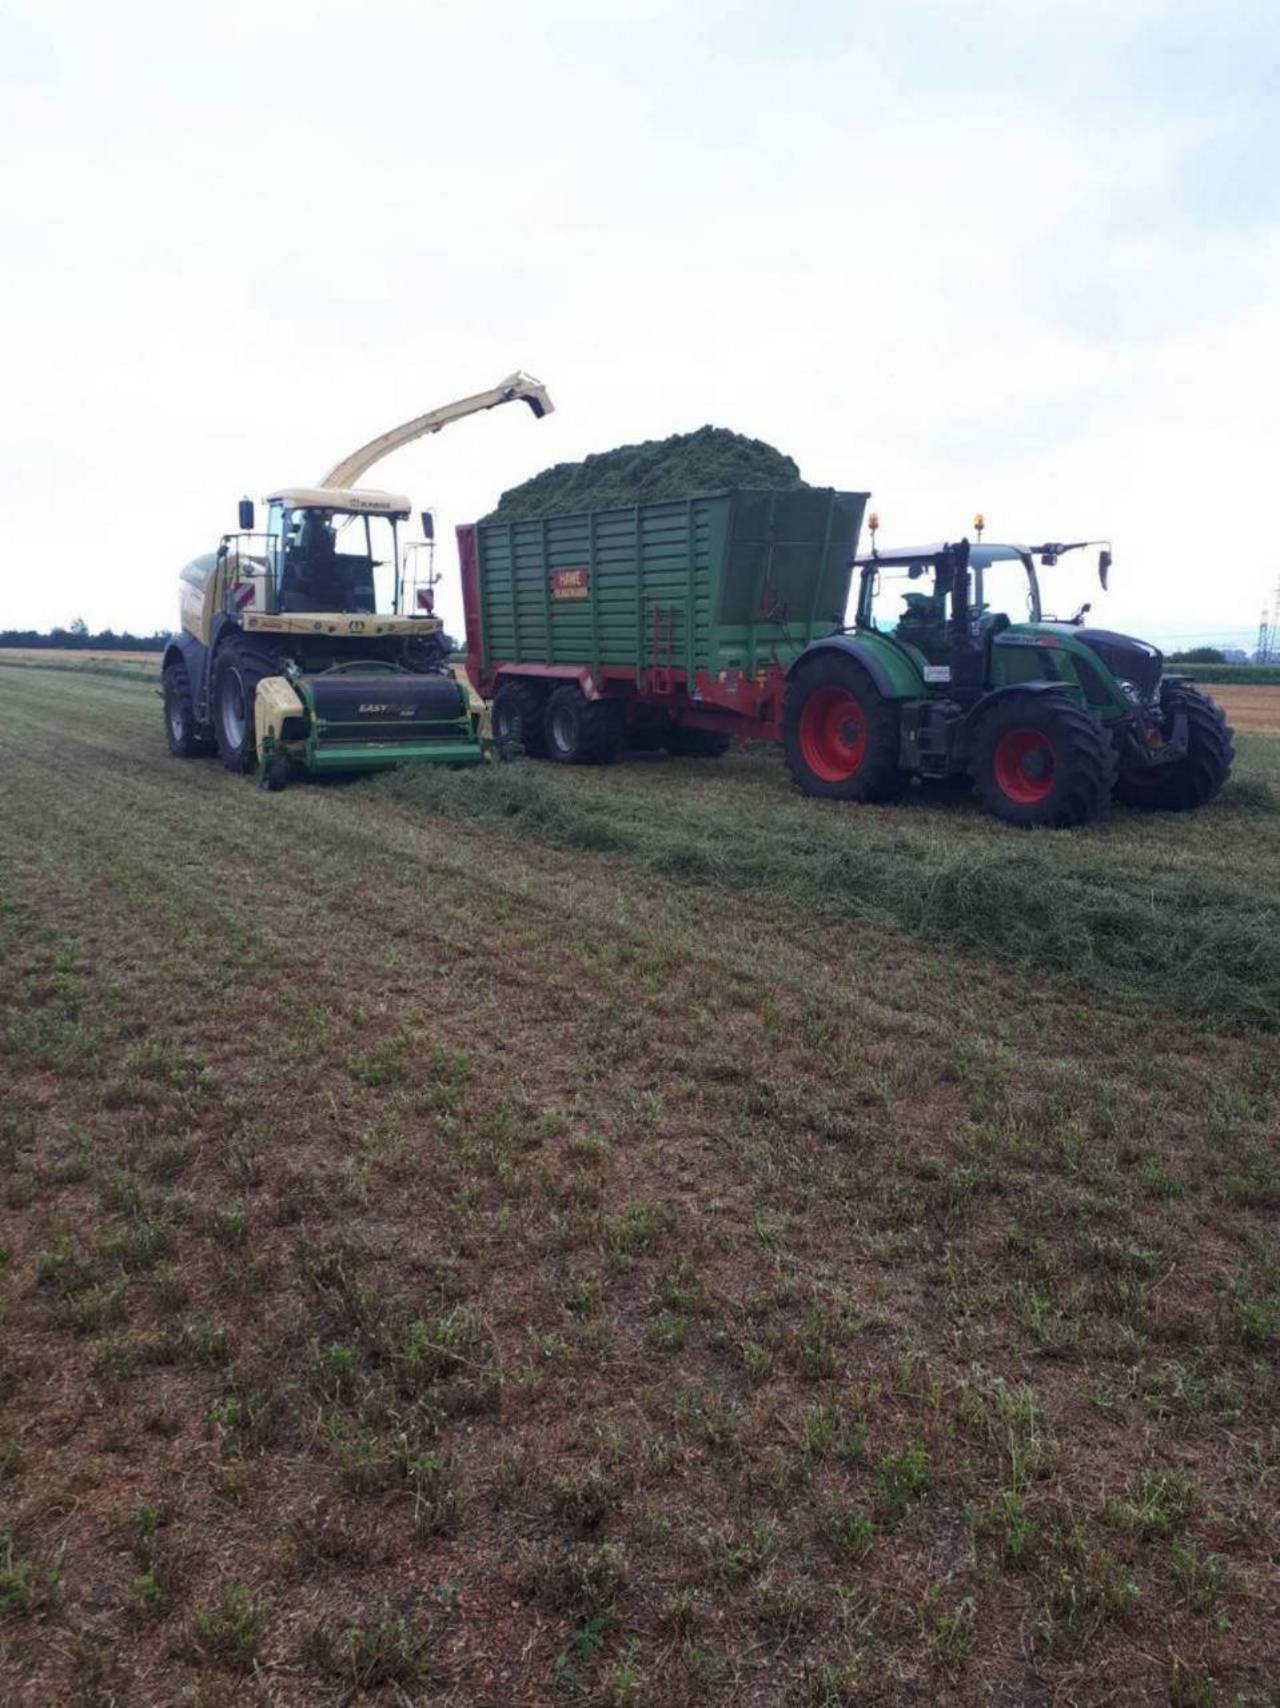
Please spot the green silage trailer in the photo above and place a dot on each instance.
(672, 622)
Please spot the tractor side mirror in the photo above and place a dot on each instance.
(1104, 568)
(428, 525)
(246, 515)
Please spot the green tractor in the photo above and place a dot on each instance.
(964, 683)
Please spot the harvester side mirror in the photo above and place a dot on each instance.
(1104, 568)
(246, 515)
(428, 525)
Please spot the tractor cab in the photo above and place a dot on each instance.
(944, 604)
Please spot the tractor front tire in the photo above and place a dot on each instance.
(237, 671)
(180, 715)
(1040, 760)
(840, 734)
(1191, 782)
(518, 709)
(578, 731)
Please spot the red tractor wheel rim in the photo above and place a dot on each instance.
(833, 734)
(1024, 765)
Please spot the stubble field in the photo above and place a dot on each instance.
(627, 1237)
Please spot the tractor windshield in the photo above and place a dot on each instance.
(337, 560)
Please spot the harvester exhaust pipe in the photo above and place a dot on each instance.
(516, 388)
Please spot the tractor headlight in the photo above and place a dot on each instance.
(1130, 692)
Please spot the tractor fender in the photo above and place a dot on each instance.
(896, 678)
(1010, 690)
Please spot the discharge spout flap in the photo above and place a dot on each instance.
(516, 388)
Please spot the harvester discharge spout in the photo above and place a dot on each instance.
(516, 388)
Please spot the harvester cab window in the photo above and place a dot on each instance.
(330, 559)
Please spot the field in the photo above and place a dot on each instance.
(39, 656)
(627, 1236)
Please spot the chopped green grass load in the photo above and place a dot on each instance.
(709, 460)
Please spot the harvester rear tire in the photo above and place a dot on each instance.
(180, 715)
(684, 743)
(517, 714)
(579, 731)
(1194, 781)
(1040, 760)
(237, 671)
(840, 734)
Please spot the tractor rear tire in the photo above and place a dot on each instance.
(1040, 760)
(579, 731)
(180, 715)
(1191, 782)
(681, 742)
(518, 709)
(840, 734)
(237, 671)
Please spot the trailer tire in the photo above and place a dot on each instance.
(1191, 782)
(180, 715)
(237, 671)
(1040, 760)
(681, 742)
(839, 733)
(518, 709)
(578, 731)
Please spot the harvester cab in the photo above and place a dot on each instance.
(313, 644)
(952, 673)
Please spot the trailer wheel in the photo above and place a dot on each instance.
(237, 672)
(682, 742)
(579, 731)
(839, 733)
(1040, 760)
(1195, 780)
(518, 709)
(180, 715)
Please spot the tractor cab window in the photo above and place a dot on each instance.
(1003, 587)
(336, 560)
(908, 603)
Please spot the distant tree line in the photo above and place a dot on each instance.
(1198, 655)
(79, 638)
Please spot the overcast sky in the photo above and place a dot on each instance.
(1019, 255)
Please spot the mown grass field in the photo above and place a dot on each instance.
(627, 1237)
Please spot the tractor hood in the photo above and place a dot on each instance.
(1127, 659)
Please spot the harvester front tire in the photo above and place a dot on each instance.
(840, 734)
(517, 715)
(236, 675)
(684, 743)
(1194, 781)
(1040, 760)
(180, 715)
(579, 731)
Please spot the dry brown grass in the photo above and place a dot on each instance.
(1252, 708)
(77, 655)
(445, 1269)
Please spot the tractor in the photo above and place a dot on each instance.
(966, 685)
(314, 646)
